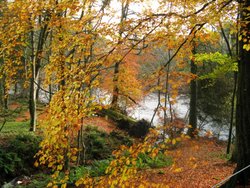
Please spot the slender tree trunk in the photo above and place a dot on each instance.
(50, 92)
(235, 83)
(232, 114)
(32, 97)
(32, 105)
(159, 100)
(124, 13)
(5, 95)
(38, 90)
(15, 90)
(114, 102)
(166, 98)
(193, 101)
(36, 64)
(167, 95)
(1, 94)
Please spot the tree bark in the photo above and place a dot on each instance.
(124, 13)
(230, 53)
(5, 95)
(1, 94)
(35, 68)
(243, 107)
(193, 101)
(114, 102)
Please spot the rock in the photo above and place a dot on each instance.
(21, 180)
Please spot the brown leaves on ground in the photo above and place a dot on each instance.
(101, 123)
(199, 163)
(24, 115)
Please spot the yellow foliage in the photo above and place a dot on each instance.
(177, 170)
(76, 51)
(173, 141)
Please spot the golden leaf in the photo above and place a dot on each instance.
(59, 167)
(173, 141)
(177, 170)
(36, 164)
(127, 162)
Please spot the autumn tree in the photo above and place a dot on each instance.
(12, 45)
(124, 14)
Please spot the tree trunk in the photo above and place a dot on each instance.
(33, 98)
(1, 94)
(35, 68)
(243, 107)
(232, 114)
(124, 13)
(32, 106)
(159, 99)
(114, 102)
(38, 89)
(193, 101)
(5, 95)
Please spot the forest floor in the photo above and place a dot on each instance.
(198, 163)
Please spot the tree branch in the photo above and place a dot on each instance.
(46, 91)
(3, 124)
(226, 39)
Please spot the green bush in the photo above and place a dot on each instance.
(17, 157)
(139, 129)
(25, 146)
(9, 163)
(120, 138)
(124, 124)
(99, 145)
(96, 144)
(161, 160)
(96, 169)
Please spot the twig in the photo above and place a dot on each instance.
(4, 121)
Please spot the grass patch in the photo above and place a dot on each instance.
(160, 161)
(221, 155)
(15, 128)
(96, 169)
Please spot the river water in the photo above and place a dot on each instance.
(147, 106)
(145, 110)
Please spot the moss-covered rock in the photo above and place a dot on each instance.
(138, 129)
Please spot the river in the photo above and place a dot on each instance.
(145, 110)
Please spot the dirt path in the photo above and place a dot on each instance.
(198, 164)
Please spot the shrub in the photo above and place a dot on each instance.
(99, 144)
(96, 169)
(120, 138)
(140, 129)
(17, 157)
(161, 160)
(9, 163)
(25, 146)
(96, 144)
(124, 124)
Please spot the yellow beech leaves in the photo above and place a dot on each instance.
(75, 45)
